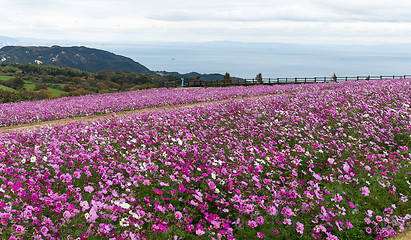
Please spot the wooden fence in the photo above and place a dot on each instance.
(286, 80)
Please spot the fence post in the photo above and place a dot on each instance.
(286, 80)
(315, 79)
(269, 81)
(278, 80)
(358, 78)
(305, 80)
(346, 78)
(325, 79)
(295, 80)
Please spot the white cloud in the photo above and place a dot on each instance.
(237, 20)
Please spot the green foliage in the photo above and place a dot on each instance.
(4, 78)
(15, 83)
(259, 78)
(334, 78)
(227, 79)
(63, 81)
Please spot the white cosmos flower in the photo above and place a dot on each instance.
(124, 222)
(125, 205)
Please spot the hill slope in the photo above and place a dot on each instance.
(83, 58)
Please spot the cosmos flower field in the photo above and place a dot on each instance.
(90, 105)
(328, 162)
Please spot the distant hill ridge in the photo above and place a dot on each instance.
(83, 58)
(87, 59)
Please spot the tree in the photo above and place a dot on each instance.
(227, 79)
(39, 86)
(259, 78)
(334, 78)
(42, 94)
(16, 83)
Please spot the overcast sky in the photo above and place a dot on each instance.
(130, 21)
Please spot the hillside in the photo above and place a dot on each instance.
(22, 82)
(83, 58)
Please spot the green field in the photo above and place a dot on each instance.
(29, 85)
(4, 78)
(56, 92)
(7, 88)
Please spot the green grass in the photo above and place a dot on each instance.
(29, 86)
(7, 88)
(5, 78)
(56, 92)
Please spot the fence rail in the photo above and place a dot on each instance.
(280, 80)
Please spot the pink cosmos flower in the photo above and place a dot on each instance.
(349, 224)
(200, 230)
(272, 210)
(368, 230)
(369, 213)
(365, 191)
(77, 174)
(84, 205)
(337, 198)
(84, 236)
(266, 181)
(275, 231)
(300, 228)
(88, 189)
(260, 220)
(181, 188)
(252, 224)
(351, 205)
(317, 176)
(287, 221)
(178, 215)
(66, 214)
(44, 230)
(346, 167)
(260, 235)
(162, 227)
(19, 229)
(158, 191)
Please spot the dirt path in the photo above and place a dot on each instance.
(110, 115)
